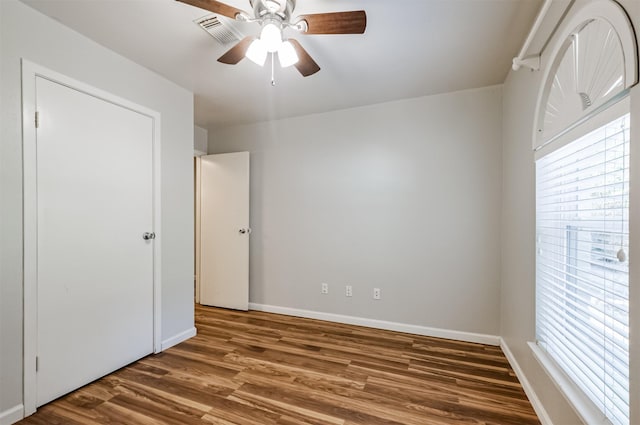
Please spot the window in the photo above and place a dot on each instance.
(582, 268)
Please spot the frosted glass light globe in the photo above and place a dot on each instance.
(287, 54)
(271, 36)
(257, 52)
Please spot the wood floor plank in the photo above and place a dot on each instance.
(256, 368)
(238, 413)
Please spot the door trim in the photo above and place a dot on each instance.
(30, 236)
(196, 164)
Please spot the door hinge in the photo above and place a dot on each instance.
(37, 119)
(37, 363)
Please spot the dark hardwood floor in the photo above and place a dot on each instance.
(259, 368)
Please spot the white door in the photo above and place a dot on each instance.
(94, 269)
(224, 230)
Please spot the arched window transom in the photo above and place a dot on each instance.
(595, 61)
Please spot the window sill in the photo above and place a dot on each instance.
(583, 406)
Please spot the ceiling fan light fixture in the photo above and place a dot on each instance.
(257, 52)
(287, 54)
(271, 36)
(274, 17)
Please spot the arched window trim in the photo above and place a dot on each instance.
(614, 14)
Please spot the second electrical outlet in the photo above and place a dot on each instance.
(348, 291)
(376, 293)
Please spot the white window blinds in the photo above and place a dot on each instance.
(582, 271)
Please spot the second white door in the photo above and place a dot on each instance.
(224, 230)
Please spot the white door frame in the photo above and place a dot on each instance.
(196, 163)
(30, 213)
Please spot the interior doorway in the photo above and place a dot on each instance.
(222, 230)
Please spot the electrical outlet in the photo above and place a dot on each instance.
(325, 288)
(348, 291)
(376, 293)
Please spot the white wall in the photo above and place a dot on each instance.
(200, 139)
(404, 196)
(28, 34)
(518, 231)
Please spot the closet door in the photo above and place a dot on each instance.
(94, 268)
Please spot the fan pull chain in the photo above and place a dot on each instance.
(273, 70)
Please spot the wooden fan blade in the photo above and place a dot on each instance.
(336, 23)
(215, 7)
(237, 52)
(306, 65)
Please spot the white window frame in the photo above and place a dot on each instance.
(588, 412)
(594, 118)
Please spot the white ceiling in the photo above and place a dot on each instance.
(411, 48)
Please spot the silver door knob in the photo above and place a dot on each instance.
(148, 235)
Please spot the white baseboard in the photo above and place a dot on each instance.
(380, 324)
(177, 339)
(13, 415)
(526, 385)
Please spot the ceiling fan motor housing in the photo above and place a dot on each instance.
(278, 9)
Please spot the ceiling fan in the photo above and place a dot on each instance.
(274, 16)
